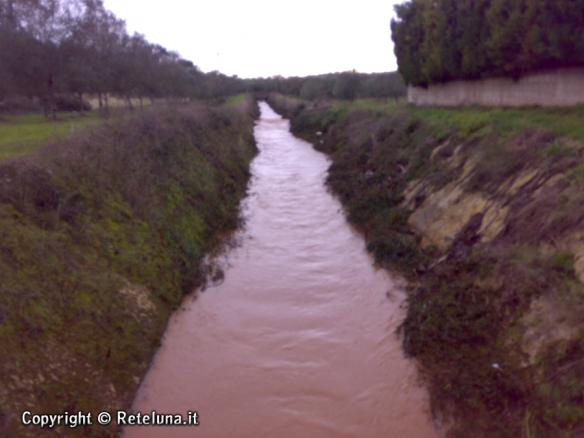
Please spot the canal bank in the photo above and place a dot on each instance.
(101, 237)
(481, 209)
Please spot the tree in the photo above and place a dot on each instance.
(315, 86)
(75, 47)
(346, 85)
(408, 34)
(442, 40)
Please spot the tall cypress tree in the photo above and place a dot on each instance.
(408, 34)
(442, 40)
(449, 28)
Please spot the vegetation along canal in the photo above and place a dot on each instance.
(299, 340)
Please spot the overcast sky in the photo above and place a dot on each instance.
(253, 38)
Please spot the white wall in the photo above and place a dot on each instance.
(562, 87)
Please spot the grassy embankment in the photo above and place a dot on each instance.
(482, 210)
(101, 236)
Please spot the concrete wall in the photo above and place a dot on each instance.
(562, 87)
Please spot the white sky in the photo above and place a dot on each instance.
(253, 38)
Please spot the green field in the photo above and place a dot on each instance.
(481, 121)
(235, 99)
(23, 134)
(568, 122)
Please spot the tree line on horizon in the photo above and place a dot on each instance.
(55, 48)
(345, 85)
(56, 53)
(443, 40)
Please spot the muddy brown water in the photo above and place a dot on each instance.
(299, 340)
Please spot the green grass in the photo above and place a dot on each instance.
(235, 99)
(381, 105)
(567, 122)
(23, 134)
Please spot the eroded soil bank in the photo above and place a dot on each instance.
(482, 210)
(299, 340)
